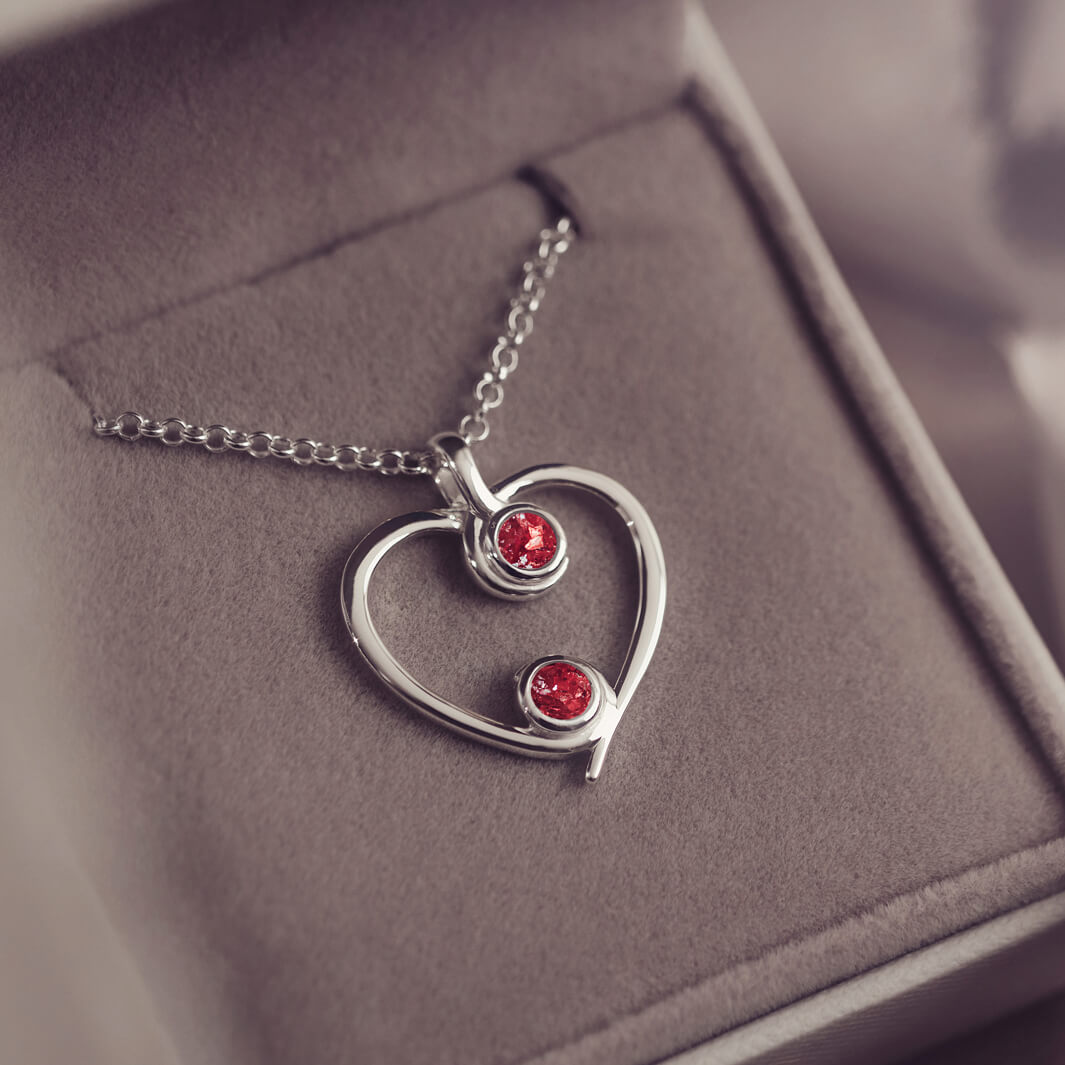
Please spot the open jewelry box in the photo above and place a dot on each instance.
(831, 823)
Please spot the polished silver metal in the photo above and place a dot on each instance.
(536, 272)
(471, 507)
(462, 486)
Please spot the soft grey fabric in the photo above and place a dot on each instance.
(203, 143)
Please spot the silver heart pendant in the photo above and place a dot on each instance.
(517, 550)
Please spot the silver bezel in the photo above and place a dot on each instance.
(493, 572)
(492, 544)
(537, 717)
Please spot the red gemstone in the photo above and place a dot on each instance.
(561, 691)
(527, 540)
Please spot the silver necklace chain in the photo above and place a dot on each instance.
(473, 428)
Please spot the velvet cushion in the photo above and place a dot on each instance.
(827, 765)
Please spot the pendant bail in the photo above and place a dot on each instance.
(458, 478)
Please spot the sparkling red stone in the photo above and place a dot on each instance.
(527, 540)
(561, 691)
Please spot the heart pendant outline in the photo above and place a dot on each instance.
(473, 504)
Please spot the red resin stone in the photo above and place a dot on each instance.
(561, 691)
(527, 540)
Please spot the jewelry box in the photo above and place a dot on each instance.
(831, 822)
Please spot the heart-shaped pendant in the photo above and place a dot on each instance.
(517, 550)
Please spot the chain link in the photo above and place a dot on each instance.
(260, 445)
(473, 428)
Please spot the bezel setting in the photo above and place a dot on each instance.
(602, 695)
(496, 555)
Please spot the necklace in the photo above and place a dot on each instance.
(514, 549)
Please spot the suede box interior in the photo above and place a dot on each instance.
(307, 218)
